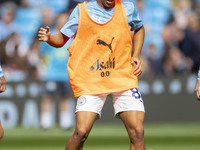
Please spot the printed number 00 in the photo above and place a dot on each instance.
(105, 74)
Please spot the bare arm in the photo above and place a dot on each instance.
(2, 84)
(138, 43)
(197, 89)
(57, 40)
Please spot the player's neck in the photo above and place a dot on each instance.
(106, 4)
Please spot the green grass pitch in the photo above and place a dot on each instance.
(182, 136)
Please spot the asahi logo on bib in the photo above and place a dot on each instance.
(104, 66)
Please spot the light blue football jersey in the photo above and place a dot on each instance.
(101, 15)
(199, 74)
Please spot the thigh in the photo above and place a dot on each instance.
(91, 103)
(133, 121)
(85, 121)
(129, 100)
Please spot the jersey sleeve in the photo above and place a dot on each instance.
(1, 72)
(199, 74)
(70, 28)
(133, 18)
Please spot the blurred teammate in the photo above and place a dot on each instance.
(100, 63)
(2, 89)
(197, 88)
(56, 82)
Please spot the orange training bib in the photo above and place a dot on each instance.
(100, 55)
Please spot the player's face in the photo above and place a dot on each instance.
(107, 4)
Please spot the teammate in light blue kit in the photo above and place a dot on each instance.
(2, 89)
(56, 81)
(197, 88)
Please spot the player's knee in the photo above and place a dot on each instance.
(137, 134)
(82, 134)
(140, 133)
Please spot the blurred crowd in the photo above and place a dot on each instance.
(172, 42)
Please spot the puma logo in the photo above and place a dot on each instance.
(100, 42)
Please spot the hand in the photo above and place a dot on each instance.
(44, 34)
(138, 65)
(197, 89)
(2, 84)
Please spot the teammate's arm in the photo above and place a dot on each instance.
(197, 88)
(138, 43)
(2, 84)
(57, 40)
(2, 81)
